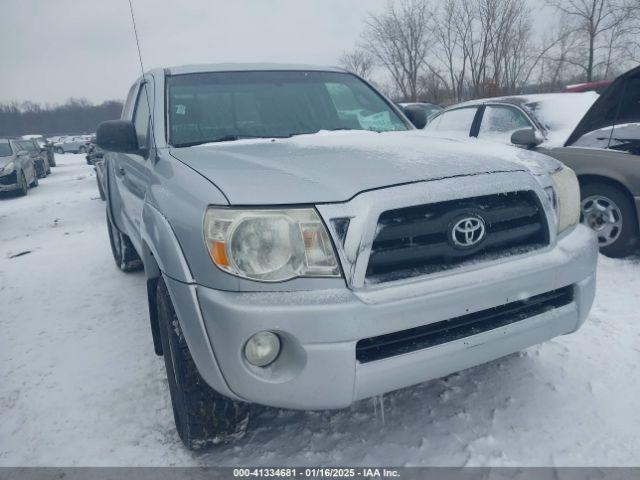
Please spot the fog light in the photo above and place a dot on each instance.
(262, 349)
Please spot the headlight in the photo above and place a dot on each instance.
(8, 168)
(567, 194)
(269, 245)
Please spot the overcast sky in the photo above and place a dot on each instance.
(52, 50)
(55, 49)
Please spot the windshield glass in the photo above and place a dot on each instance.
(5, 149)
(28, 145)
(209, 107)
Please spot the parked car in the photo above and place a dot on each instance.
(95, 157)
(45, 146)
(39, 157)
(601, 146)
(17, 171)
(75, 144)
(296, 266)
(598, 87)
(430, 109)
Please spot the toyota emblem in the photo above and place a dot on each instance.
(468, 231)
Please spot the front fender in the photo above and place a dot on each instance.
(158, 236)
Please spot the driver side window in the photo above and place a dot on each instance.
(455, 123)
(499, 123)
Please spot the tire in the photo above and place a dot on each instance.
(124, 253)
(103, 197)
(35, 182)
(42, 173)
(24, 186)
(82, 150)
(610, 213)
(59, 150)
(203, 417)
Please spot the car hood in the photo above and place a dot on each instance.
(335, 166)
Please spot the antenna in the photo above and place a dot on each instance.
(146, 91)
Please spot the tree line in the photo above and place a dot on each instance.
(447, 51)
(76, 116)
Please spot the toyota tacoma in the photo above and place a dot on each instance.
(305, 247)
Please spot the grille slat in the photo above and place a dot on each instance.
(416, 240)
(406, 341)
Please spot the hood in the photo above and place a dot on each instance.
(335, 166)
(605, 107)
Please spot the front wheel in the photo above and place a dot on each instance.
(22, 184)
(124, 253)
(203, 417)
(59, 150)
(82, 150)
(610, 213)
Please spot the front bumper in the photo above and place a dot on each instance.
(9, 182)
(317, 366)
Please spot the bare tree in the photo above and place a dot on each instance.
(399, 39)
(604, 28)
(358, 61)
(448, 51)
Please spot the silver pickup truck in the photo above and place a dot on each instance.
(306, 247)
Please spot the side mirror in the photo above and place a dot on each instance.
(117, 136)
(527, 137)
(416, 115)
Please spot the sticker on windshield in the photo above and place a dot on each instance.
(378, 121)
(181, 109)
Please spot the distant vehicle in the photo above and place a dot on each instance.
(45, 146)
(600, 141)
(430, 109)
(74, 144)
(17, 171)
(597, 87)
(39, 157)
(95, 157)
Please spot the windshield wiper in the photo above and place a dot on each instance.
(226, 138)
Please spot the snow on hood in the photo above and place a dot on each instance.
(559, 113)
(336, 166)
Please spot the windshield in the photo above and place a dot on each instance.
(5, 149)
(28, 145)
(209, 107)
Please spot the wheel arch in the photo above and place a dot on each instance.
(160, 253)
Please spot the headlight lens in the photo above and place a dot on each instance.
(567, 193)
(270, 245)
(8, 168)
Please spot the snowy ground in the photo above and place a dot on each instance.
(80, 385)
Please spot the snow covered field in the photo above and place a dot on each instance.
(80, 384)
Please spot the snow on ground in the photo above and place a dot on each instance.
(80, 384)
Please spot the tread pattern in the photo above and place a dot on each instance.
(203, 417)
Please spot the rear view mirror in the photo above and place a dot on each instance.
(416, 115)
(117, 136)
(527, 137)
